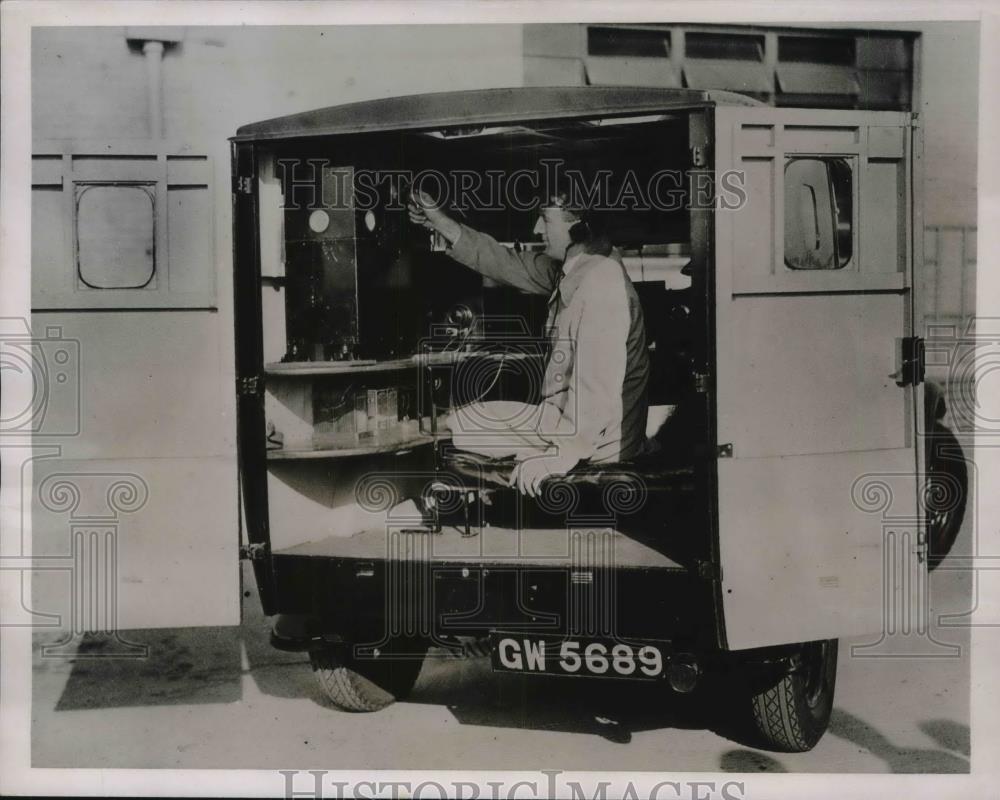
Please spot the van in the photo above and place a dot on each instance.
(778, 505)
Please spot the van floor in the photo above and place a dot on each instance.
(560, 547)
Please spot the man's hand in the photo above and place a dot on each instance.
(529, 473)
(423, 212)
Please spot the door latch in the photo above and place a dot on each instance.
(249, 386)
(243, 184)
(912, 362)
(257, 551)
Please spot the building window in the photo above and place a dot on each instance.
(641, 42)
(817, 49)
(730, 46)
(115, 235)
(819, 208)
(121, 225)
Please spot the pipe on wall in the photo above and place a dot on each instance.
(153, 51)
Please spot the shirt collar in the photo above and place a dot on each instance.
(572, 276)
(571, 262)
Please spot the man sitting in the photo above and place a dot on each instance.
(594, 405)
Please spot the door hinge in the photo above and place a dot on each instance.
(708, 571)
(700, 382)
(699, 155)
(249, 386)
(724, 450)
(243, 184)
(257, 551)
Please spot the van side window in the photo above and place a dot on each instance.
(818, 213)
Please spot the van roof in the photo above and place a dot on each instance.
(444, 109)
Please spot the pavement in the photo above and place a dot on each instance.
(223, 698)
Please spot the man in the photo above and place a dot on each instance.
(593, 405)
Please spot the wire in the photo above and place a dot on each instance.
(494, 381)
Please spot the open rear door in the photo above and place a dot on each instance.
(816, 398)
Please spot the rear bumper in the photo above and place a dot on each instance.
(355, 599)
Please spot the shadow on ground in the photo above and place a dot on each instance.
(612, 709)
(951, 735)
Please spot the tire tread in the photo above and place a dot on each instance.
(347, 688)
(781, 717)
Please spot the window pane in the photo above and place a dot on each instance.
(818, 213)
(115, 236)
(628, 42)
(740, 46)
(817, 49)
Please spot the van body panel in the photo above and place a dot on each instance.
(819, 526)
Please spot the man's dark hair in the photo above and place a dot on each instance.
(592, 233)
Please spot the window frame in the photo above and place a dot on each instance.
(62, 167)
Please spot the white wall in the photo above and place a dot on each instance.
(949, 106)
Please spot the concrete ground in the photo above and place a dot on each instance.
(222, 697)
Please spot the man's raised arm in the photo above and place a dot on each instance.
(536, 273)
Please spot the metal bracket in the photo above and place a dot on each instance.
(699, 155)
(257, 551)
(724, 450)
(700, 382)
(243, 184)
(912, 368)
(249, 386)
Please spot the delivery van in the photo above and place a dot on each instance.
(773, 251)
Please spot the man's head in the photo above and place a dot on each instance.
(563, 225)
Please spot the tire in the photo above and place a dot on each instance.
(946, 491)
(791, 712)
(366, 684)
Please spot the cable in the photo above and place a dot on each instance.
(495, 379)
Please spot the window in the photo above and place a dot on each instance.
(733, 46)
(121, 225)
(628, 42)
(819, 211)
(817, 49)
(115, 235)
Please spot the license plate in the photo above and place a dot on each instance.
(599, 658)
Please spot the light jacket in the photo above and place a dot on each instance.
(594, 389)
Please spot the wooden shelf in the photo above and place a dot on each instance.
(349, 445)
(293, 369)
(304, 369)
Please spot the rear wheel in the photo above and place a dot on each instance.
(791, 712)
(358, 683)
(946, 491)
